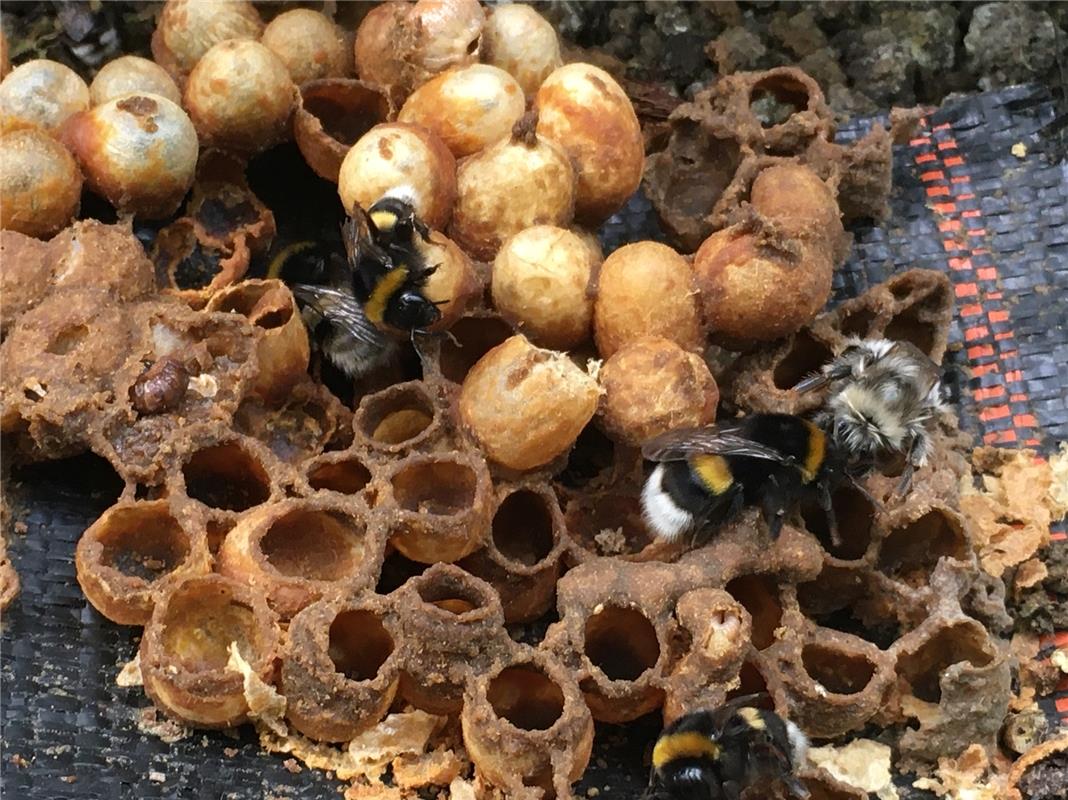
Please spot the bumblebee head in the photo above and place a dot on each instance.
(393, 219)
(411, 310)
(865, 423)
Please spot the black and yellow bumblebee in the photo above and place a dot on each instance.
(385, 247)
(350, 311)
(716, 754)
(704, 476)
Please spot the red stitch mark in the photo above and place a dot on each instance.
(978, 232)
(960, 263)
(1062, 704)
(971, 213)
(1009, 354)
(1000, 337)
(966, 289)
(933, 175)
(1017, 398)
(978, 332)
(924, 158)
(968, 196)
(997, 412)
(983, 369)
(998, 316)
(1014, 376)
(949, 225)
(953, 161)
(988, 392)
(987, 274)
(959, 178)
(919, 141)
(950, 145)
(971, 309)
(945, 208)
(999, 437)
(981, 351)
(1025, 421)
(945, 126)
(1036, 443)
(993, 295)
(937, 191)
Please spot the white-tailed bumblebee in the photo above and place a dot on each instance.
(340, 330)
(883, 395)
(705, 476)
(347, 309)
(389, 269)
(717, 754)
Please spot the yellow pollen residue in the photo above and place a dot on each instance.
(376, 303)
(714, 473)
(817, 451)
(688, 744)
(752, 718)
(384, 220)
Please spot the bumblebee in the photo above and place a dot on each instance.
(882, 398)
(346, 308)
(717, 754)
(705, 476)
(389, 269)
(340, 330)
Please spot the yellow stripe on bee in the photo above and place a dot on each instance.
(375, 307)
(383, 220)
(714, 473)
(817, 451)
(275, 267)
(753, 718)
(688, 744)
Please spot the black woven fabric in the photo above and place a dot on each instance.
(69, 732)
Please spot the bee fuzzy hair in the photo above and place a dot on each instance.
(405, 193)
(661, 514)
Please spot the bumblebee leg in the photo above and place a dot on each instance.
(730, 791)
(905, 483)
(422, 228)
(854, 481)
(796, 788)
(915, 458)
(773, 507)
(827, 505)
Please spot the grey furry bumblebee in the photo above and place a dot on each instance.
(704, 476)
(716, 754)
(882, 397)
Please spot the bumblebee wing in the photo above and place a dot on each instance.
(723, 440)
(340, 309)
(356, 235)
(813, 382)
(832, 372)
(353, 232)
(723, 719)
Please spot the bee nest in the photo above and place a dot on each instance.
(263, 518)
